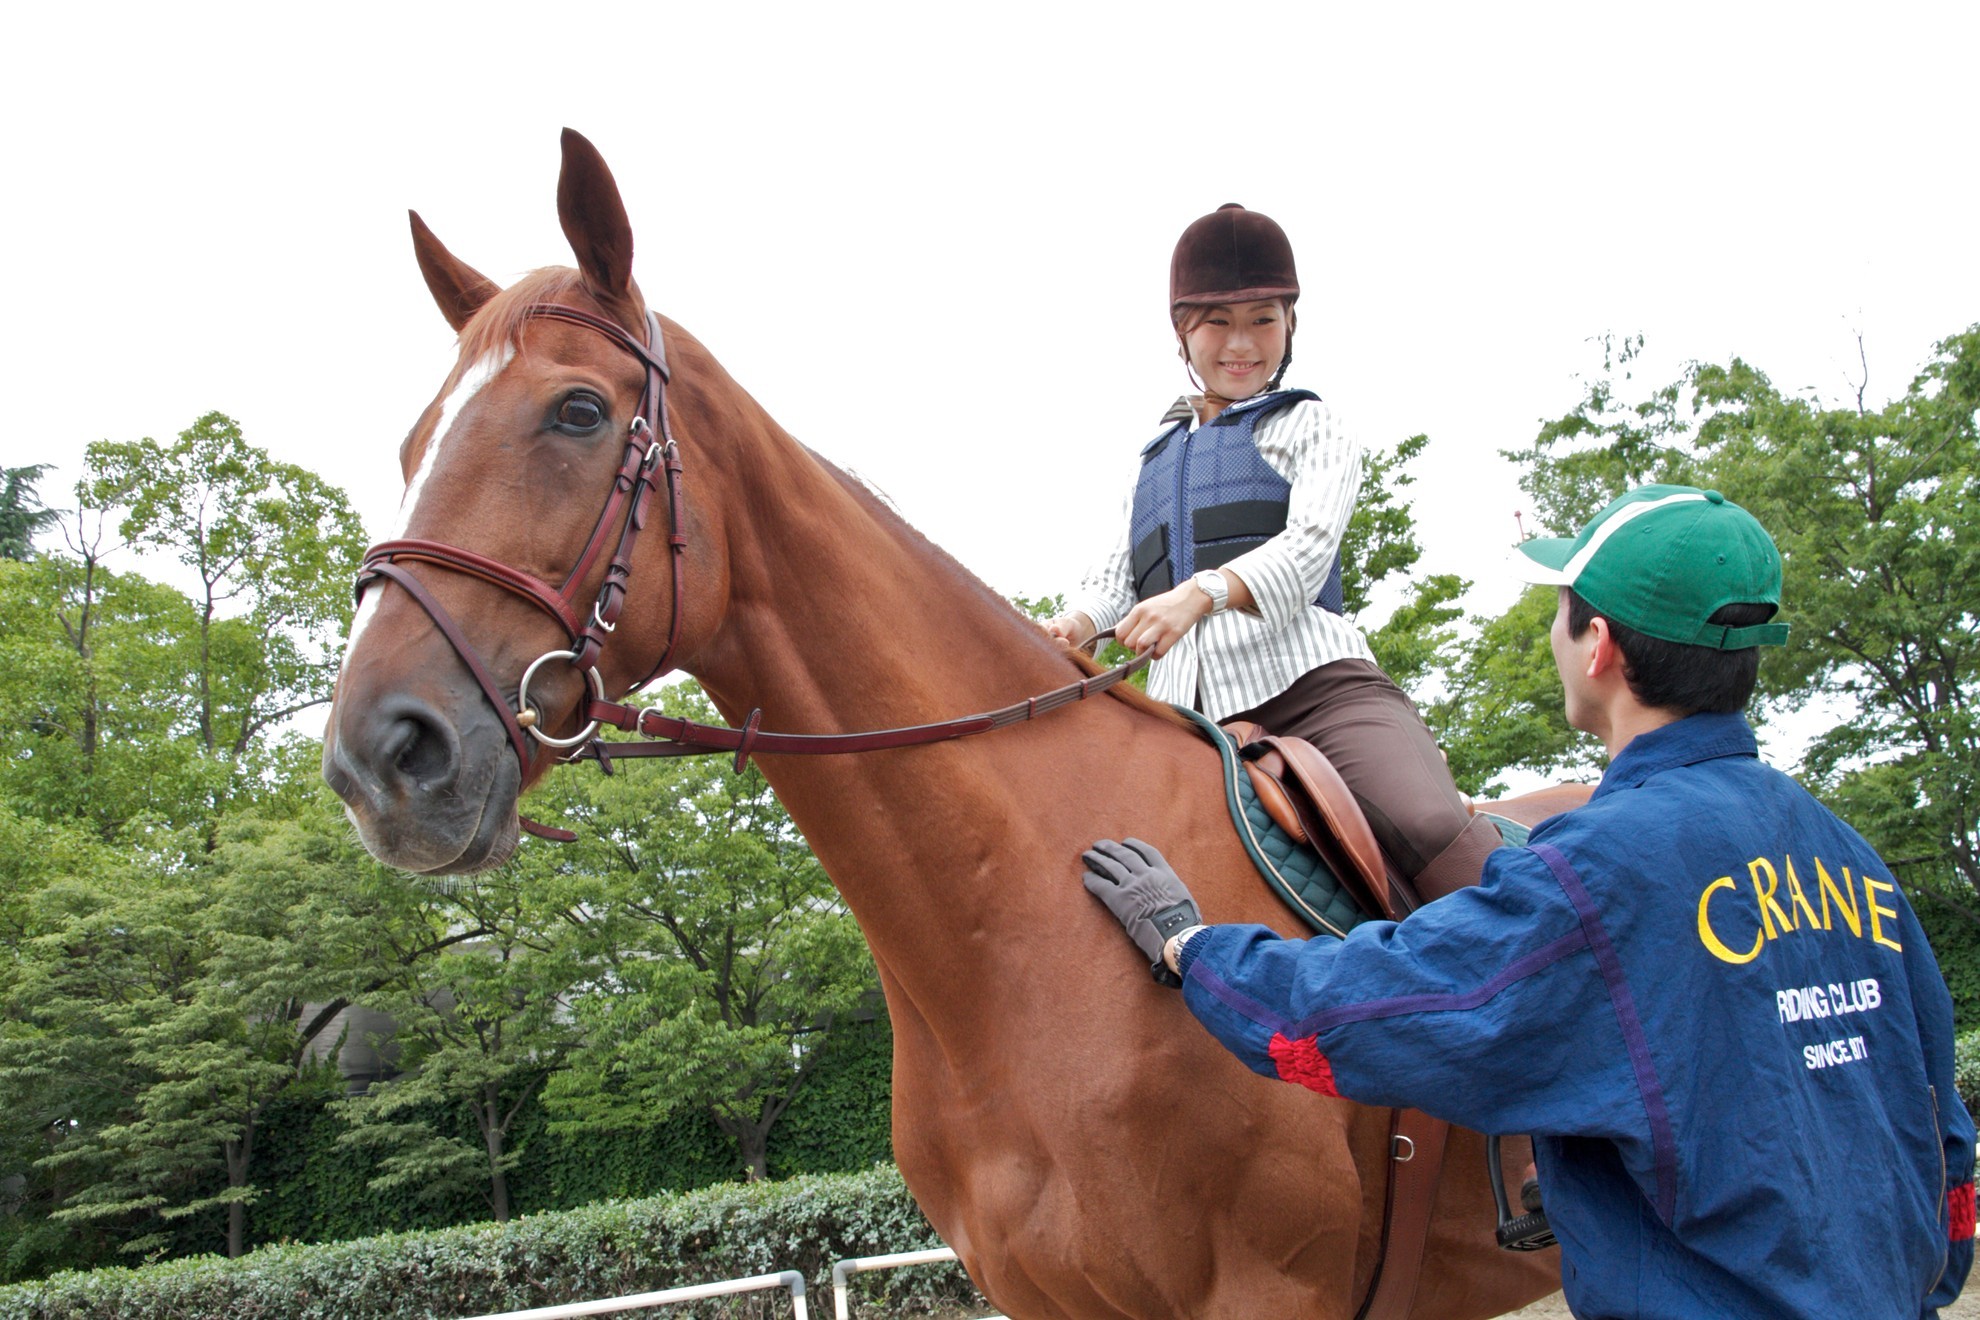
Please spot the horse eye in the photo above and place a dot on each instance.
(581, 412)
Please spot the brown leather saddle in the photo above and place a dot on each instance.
(1306, 797)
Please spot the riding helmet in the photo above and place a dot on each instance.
(1229, 256)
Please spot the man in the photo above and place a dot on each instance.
(1701, 992)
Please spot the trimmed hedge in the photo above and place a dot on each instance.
(608, 1250)
(313, 1189)
(1966, 1069)
(1955, 941)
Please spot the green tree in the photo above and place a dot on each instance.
(21, 510)
(152, 1018)
(272, 549)
(479, 1028)
(1501, 707)
(1380, 544)
(95, 703)
(1872, 510)
(719, 956)
(182, 909)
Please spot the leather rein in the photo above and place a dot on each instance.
(647, 453)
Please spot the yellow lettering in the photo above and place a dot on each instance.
(1800, 899)
(1845, 895)
(1769, 909)
(1870, 888)
(1710, 938)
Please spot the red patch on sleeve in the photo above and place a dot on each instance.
(1301, 1061)
(1959, 1211)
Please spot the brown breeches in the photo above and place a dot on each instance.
(1369, 728)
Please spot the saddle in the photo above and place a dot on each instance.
(1298, 788)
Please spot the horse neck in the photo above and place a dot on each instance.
(838, 617)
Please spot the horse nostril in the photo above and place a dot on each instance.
(417, 750)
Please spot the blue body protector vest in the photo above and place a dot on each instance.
(1204, 498)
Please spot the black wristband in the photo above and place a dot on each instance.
(1176, 917)
(1163, 976)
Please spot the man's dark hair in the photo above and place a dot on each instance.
(1676, 676)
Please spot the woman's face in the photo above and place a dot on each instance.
(1235, 350)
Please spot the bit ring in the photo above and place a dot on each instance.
(522, 701)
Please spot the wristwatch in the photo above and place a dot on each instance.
(1211, 583)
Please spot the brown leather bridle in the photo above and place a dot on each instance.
(647, 451)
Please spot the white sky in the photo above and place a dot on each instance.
(933, 241)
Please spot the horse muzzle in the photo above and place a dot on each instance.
(426, 794)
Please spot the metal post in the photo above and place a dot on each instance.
(790, 1279)
(845, 1269)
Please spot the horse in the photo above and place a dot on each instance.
(1084, 1146)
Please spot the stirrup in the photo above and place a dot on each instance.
(1528, 1232)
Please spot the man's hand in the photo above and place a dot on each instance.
(1141, 891)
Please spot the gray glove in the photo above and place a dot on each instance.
(1144, 895)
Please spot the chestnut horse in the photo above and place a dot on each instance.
(1087, 1149)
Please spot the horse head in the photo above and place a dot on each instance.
(527, 478)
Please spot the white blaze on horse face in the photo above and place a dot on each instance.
(471, 383)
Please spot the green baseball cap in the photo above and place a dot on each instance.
(1663, 560)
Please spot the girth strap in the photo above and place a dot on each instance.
(1416, 1157)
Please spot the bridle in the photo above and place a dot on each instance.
(632, 489)
(648, 451)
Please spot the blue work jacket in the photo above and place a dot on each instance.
(1705, 997)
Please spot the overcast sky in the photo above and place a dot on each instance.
(933, 239)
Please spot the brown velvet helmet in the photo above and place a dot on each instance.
(1229, 256)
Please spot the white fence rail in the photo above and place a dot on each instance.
(790, 1279)
(842, 1274)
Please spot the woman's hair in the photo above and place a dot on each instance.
(1187, 316)
(1675, 676)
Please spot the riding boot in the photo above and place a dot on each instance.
(1461, 861)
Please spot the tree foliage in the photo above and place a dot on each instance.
(21, 512)
(719, 957)
(271, 548)
(1872, 510)
(480, 1026)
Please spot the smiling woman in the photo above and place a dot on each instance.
(1227, 567)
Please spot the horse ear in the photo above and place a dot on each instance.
(594, 219)
(459, 288)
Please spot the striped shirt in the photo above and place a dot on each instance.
(1233, 661)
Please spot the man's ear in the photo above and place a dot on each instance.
(1604, 656)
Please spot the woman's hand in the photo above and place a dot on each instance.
(1073, 629)
(1159, 622)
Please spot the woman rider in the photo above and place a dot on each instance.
(1228, 563)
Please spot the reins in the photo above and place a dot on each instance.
(647, 452)
(686, 738)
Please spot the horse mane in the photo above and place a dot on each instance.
(967, 583)
(500, 321)
(498, 324)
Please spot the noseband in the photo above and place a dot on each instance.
(647, 451)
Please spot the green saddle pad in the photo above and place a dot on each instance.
(1297, 874)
